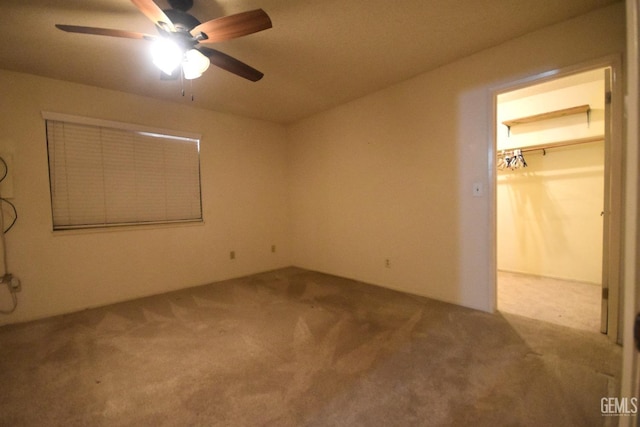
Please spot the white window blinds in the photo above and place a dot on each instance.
(104, 176)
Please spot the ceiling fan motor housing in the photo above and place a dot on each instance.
(182, 5)
(181, 20)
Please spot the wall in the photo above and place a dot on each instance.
(244, 194)
(549, 221)
(566, 92)
(390, 176)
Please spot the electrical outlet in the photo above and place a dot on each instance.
(387, 263)
(232, 255)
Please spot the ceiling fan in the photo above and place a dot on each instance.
(179, 47)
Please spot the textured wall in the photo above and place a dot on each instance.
(244, 195)
(390, 176)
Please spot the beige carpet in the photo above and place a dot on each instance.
(568, 303)
(298, 348)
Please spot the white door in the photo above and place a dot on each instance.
(606, 218)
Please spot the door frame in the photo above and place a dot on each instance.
(614, 167)
(630, 386)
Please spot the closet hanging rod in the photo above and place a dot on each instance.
(553, 144)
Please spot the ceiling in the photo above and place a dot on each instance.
(319, 53)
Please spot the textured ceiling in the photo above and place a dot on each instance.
(319, 53)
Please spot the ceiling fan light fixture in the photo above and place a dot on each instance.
(181, 32)
(194, 64)
(166, 55)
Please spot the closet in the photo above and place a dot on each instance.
(550, 197)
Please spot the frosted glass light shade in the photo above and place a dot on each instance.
(194, 64)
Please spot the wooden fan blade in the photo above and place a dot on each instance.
(153, 12)
(104, 32)
(232, 26)
(231, 64)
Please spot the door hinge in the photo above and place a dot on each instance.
(605, 293)
(607, 97)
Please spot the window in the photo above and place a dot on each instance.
(107, 174)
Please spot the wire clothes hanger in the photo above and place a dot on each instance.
(511, 160)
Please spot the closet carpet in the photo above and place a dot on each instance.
(299, 348)
(563, 302)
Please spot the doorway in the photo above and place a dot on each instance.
(554, 200)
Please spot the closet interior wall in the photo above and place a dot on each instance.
(549, 211)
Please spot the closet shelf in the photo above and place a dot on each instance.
(549, 115)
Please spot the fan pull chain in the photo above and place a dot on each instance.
(190, 86)
(182, 82)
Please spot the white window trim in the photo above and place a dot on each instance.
(147, 130)
(47, 115)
